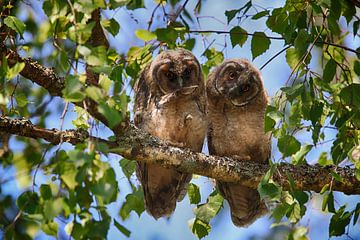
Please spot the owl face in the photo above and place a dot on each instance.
(238, 81)
(175, 70)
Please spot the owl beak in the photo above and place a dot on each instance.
(180, 80)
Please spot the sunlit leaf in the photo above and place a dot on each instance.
(15, 24)
(145, 35)
(194, 193)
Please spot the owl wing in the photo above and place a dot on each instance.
(142, 91)
(245, 203)
(162, 186)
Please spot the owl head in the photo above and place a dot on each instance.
(176, 70)
(237, 81)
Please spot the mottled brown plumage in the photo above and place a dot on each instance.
(236, 102)
(170, 104)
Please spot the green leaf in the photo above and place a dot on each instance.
(279, 212)
(301, 197)
(105, 83)
(269, 191)
(238, 36)
(329, 70)
(128, 167)
(316, 112)
(260, 14)
(168, 35)
(111, 25)
(299, 157)
(73, 89)
(116, 74)
(356, 25)
(330, 202)
(122, 229)
(231, 14)
(53, 208)
(339, 221)
(117, 3)
(45, 191)
(145, 35)
(337, 177)
(15, 24)
(302, 41)
(68, 175)
(356, 213)
(194, 193)
(94, 93)
(210, 209)
(293, 91)
(272, 115)
(97, 229)
(21, 99)
(83, 197)
(15, 70)
(278, 21)
(325, 188)
(134, 202)
(112, 116)
(106, 188)
(200, 228)
(28, 202)
(189, 44)
(135, 4)
(80, 33)
(294, 56)
(294, 214)
(259, 44)
(288, 145)
(97, 57)
(350, 95)
(50, 228)
(357, 67)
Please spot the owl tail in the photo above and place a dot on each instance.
(245, 203)
(162, 188)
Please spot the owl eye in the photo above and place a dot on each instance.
(170, 76)
(232, 75)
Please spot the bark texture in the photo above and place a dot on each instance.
(140, 146)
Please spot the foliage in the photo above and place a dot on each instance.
(79, 184)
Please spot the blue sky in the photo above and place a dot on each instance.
(275, 75)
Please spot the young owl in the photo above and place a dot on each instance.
(169, 104)
(236, 102)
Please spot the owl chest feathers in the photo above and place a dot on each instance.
(182, 123)
(240, 132)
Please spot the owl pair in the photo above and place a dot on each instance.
(173, 103)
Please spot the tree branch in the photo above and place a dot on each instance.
(274, 38)
(137, 145)
(24, 127)
(48, 79)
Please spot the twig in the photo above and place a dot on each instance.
(273, 57)
(240, 33)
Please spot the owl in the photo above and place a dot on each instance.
(169, 104)
(236, 102)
